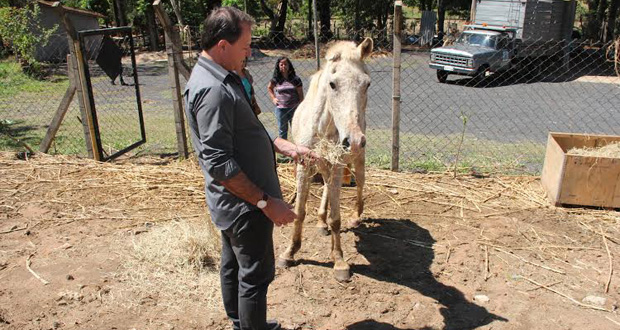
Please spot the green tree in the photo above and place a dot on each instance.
(21, 29)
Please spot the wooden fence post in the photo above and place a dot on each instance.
(397, 37)
(62, 108)
(81, 85)
(175, 65)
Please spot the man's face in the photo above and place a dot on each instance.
(238, 51)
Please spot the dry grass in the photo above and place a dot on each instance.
(177, 262)
(172, 261)
(611, 150)
(330, 151)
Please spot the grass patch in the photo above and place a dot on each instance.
(14, 83)
(418, 152)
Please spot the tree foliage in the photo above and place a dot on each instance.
(21, 30)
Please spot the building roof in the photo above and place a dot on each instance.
(73, 10)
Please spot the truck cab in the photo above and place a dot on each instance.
(478, 50)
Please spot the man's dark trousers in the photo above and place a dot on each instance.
(247, 269)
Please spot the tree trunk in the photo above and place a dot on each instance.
(357, 22)
(611, 20)
(325, 17)
(120, 14)
(441, 15)
(151, 26)
(270, 14)
(176, 6)
(310, 33)
(282, 17)
(600, 18)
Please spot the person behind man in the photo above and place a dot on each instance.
(287, 92)
(236, 155)
(247, 80)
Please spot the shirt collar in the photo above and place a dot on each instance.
(216, 70)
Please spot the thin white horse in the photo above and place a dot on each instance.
(333, 110)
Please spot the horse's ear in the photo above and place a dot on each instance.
(365, 48)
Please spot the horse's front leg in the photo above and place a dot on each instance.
(341, 268)
(360, 179)
(287, 258)
(321, 224)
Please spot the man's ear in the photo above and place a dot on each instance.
(222, 44)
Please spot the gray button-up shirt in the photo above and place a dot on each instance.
(228, 138)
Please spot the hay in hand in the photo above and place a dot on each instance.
(176, 263)
(332, 152)
(611, 150)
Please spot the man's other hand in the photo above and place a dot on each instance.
(279, 211)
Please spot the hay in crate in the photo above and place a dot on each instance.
(611, 150)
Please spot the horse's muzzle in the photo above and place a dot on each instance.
(346, 143)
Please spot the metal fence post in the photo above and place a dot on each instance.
(397, 27)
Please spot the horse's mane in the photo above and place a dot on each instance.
(343, 50)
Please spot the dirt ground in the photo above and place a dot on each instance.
(433, 252)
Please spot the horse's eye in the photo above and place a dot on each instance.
(332, 85)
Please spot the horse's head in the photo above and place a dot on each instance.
(347, 80)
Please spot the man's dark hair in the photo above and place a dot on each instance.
(223, 23)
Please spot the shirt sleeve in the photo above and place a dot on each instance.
(214, 111)
(297, 82)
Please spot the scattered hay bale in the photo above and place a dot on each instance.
(176, 262)
(611, 150)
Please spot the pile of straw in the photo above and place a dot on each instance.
(177, 262)
(611, 150)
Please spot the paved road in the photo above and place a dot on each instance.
(504, 111)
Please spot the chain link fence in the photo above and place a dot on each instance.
(28, 103)
(494, 121)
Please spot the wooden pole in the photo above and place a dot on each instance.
(174, 37)
(173, 77)
(316, 38)
(81, 85)
(62, 109)
(397, 36)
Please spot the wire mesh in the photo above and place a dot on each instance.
(28, 102)
(496, 120)
(114, 85)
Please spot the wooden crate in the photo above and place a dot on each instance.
(580, 180)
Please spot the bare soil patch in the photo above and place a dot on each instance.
(433, 252)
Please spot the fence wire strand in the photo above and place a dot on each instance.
(497, 120)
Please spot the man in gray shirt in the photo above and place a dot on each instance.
(236, 155)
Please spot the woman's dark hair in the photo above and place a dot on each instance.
(223, 23)
(277, 75)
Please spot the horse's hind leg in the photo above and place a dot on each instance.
(321, 225)
(287, 258)
(360, 180)
(341, 268)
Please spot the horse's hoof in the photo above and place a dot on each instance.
(322, 231)
(342, 275)
(284, 263)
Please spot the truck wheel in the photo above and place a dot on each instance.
(442, 76)
(482, 73)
